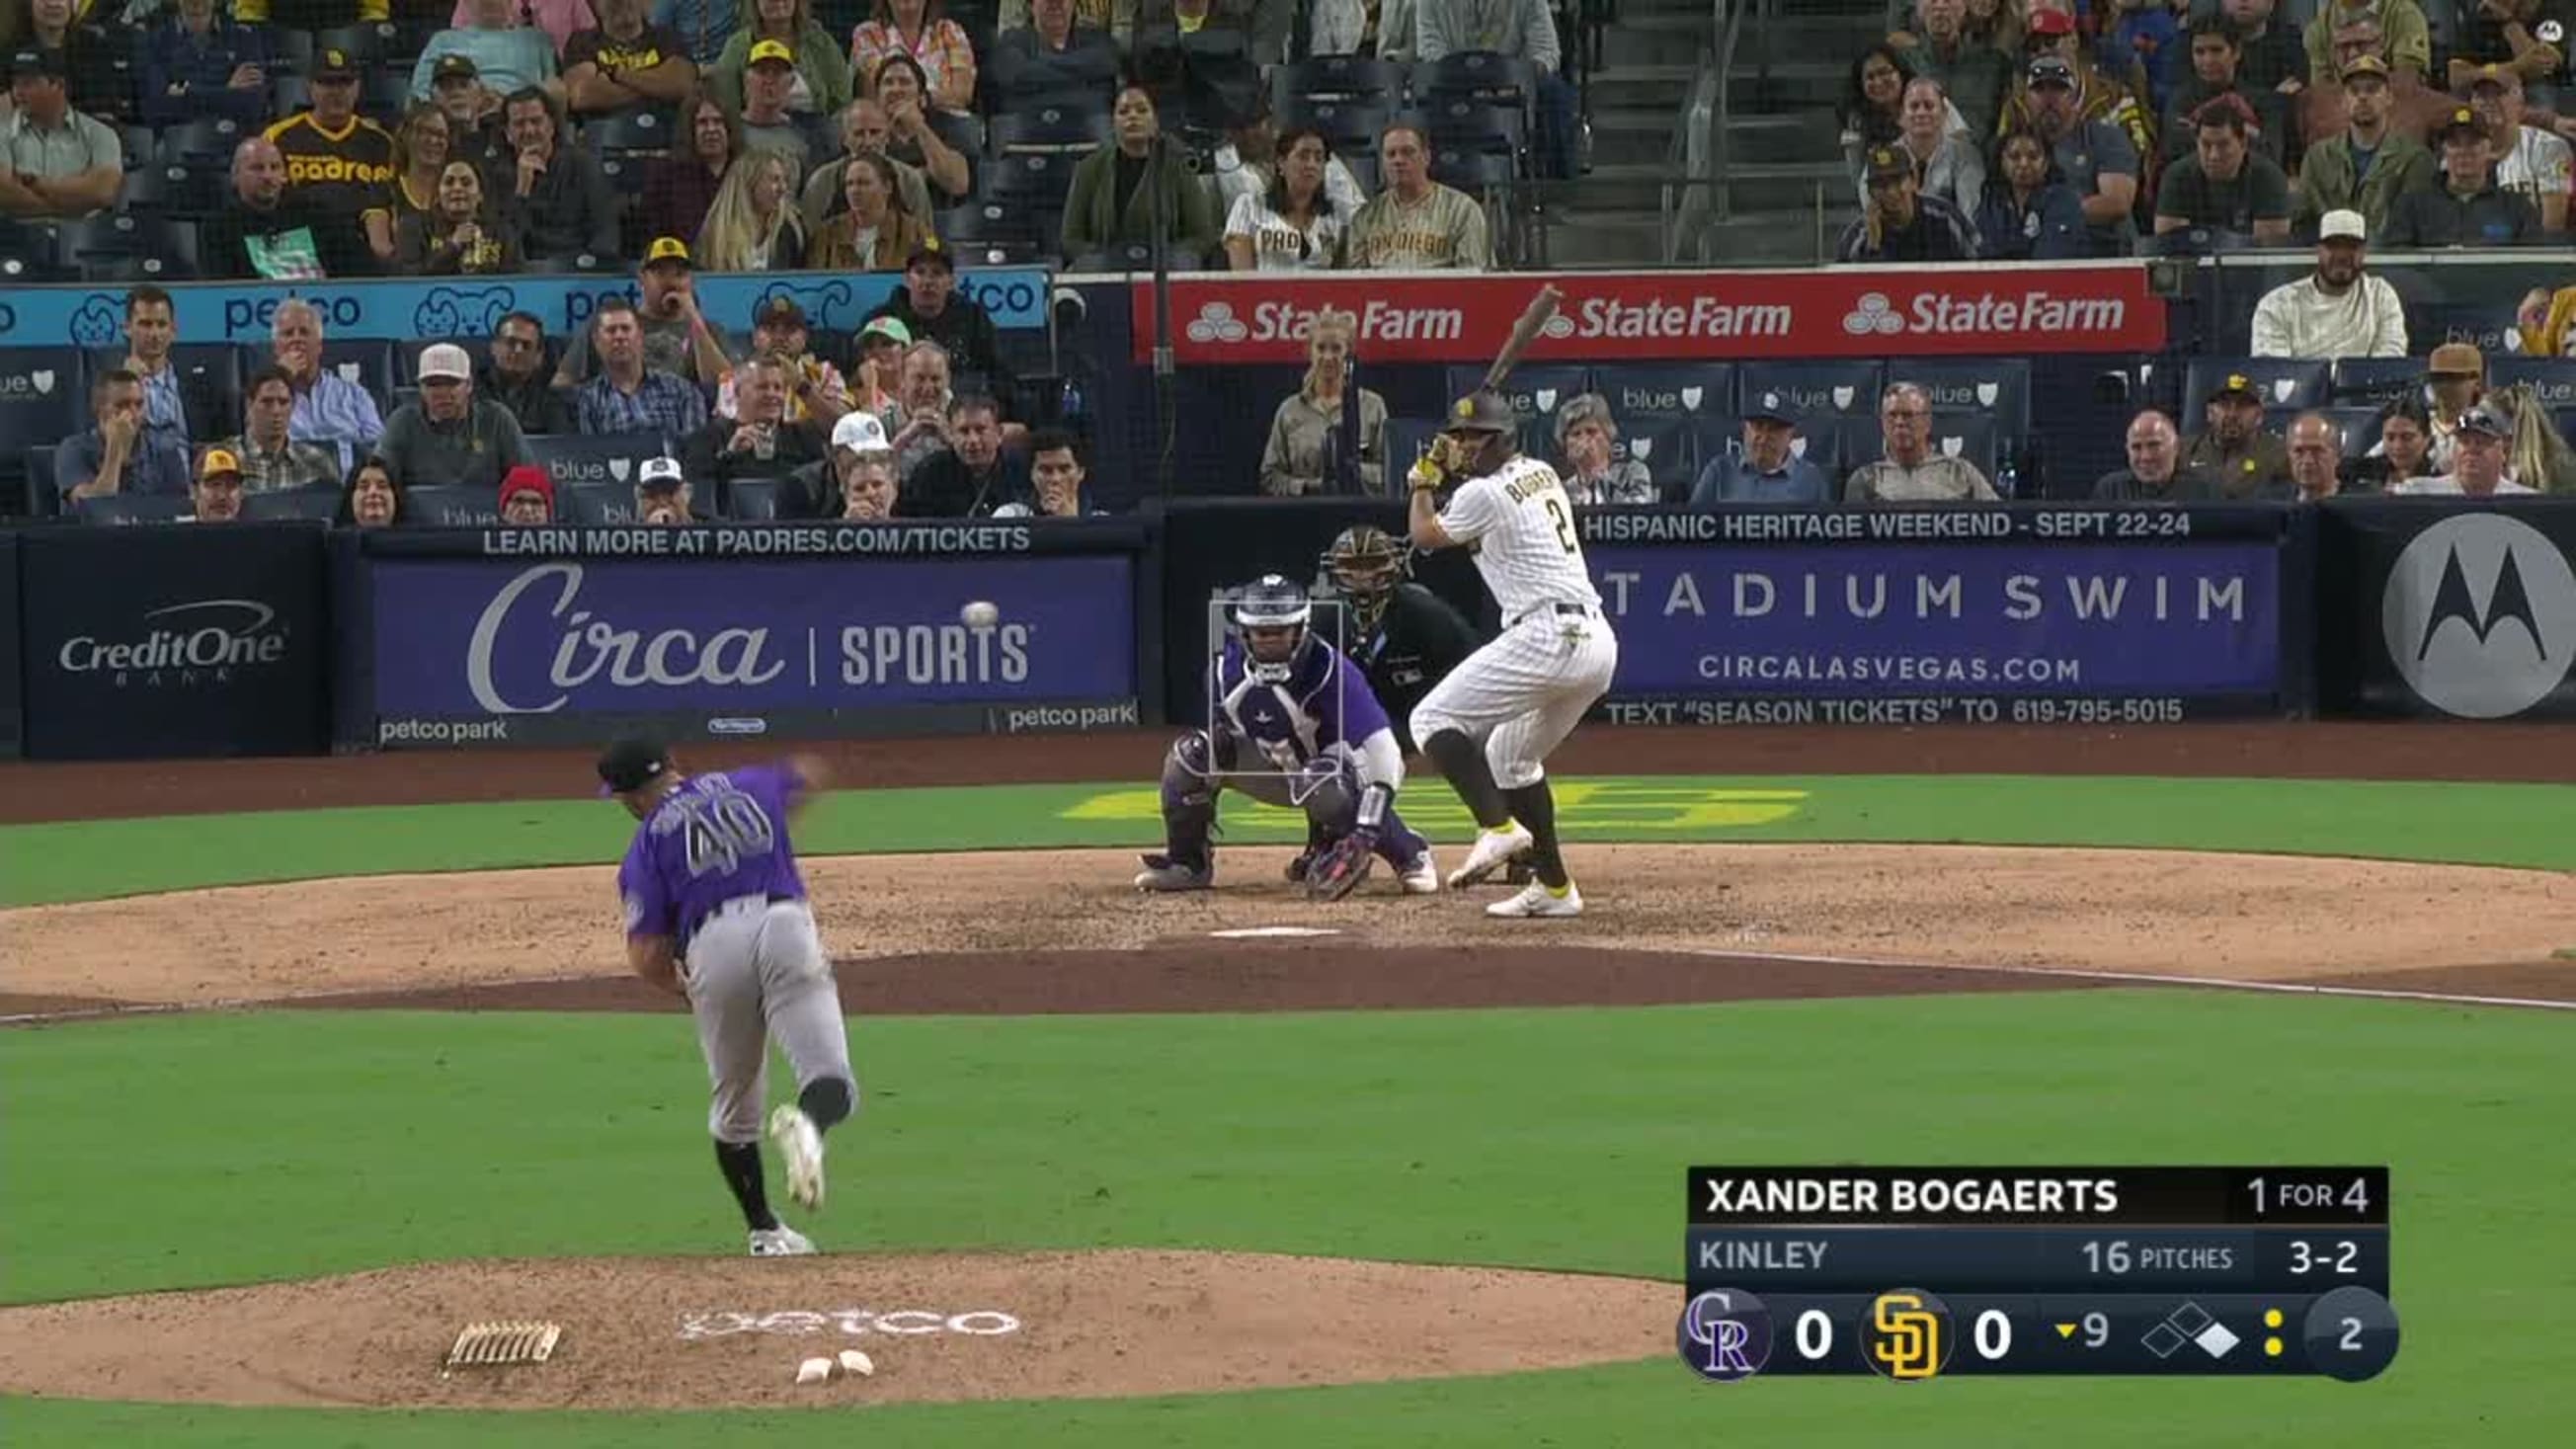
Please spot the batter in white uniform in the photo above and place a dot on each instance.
(1490, 725)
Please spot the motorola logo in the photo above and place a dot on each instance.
(2480, 615)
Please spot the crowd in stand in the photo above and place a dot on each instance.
(2057, 129)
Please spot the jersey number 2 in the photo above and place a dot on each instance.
(1564, 525)
(728, 829)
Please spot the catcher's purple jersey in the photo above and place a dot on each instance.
(1326, 701)
(711, 840)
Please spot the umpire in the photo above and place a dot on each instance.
(1403, 636)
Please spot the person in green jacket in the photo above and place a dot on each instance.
(1109, 206)
(822, 68)
(2367, 167)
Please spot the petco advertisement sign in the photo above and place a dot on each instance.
(496, 651)
(1611, 316)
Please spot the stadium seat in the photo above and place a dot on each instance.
(42, 402)
(114, 269)
(964, 133)
(1038, 182)
(1668, 448)
(1997, 386)
(1667, 389)
(170, 247)
(1467, 124)
(1136, 257)
(2375, 381)
(757, 499)
(1474, 172)
(1348, 126)
(43, 499)
(294, 54)
(983, 221)
(364, 43)
(1816, 389)
(451, 507)
(127, 508)
(1536, 389)
(2553, 378)
(139, 144)
(1476, 73)
(641, 130)
(200, 142)
(582, 458)
(366, 361)
(2284, 382)
(319, 505)
(163, 189)
(594, 502)
(1052, 129)
(1336, 76)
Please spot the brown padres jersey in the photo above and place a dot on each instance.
(343, 172)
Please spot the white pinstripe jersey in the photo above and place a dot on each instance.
(1520, 526)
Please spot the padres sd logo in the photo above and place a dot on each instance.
(1909, 1335)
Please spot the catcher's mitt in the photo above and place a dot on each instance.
(1339, 868)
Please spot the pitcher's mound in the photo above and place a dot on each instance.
(680, 1333)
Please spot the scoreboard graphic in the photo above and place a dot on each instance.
(1919, 1273)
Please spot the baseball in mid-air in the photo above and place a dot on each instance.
(979, 615)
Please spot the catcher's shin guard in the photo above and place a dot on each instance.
(1189, 801)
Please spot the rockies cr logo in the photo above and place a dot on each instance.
(1909, 1334)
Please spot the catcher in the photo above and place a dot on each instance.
(1291, 722)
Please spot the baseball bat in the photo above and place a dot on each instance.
(1534, 318)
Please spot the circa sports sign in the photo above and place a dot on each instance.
(1632, 316)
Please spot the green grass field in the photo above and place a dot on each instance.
(198, 1150)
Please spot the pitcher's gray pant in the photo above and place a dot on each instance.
(757, 973)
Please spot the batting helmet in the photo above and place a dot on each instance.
(1487, 429)
(1272, 603)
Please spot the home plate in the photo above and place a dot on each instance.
(1256, 933)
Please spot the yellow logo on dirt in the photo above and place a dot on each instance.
(1581, 805)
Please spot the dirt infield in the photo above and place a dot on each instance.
(2411, 750)
(703, 1333)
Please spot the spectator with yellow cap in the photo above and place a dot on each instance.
(2368, 165)
(767, 122)
(821, 83)
(2338, 310)
(668, 310)
(2468, 209)
(1902, 224)
(2233, 449)
(216, 496)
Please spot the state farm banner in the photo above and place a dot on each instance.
(2003, 310)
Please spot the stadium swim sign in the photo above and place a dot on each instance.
(1857, 312)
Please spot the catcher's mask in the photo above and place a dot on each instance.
(1486, 429)
(1272, 614)
(1365, 563)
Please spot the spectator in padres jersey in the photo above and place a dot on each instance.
(1586, 438)
(1110, 204)
(2530, 162)
(2156, 473)
(2233, 449)
(337, 160)
(1293, 224)
(553, 195)
(273, 460)
(1768, 468)
(625, 62)
(201, 62)
(1912, 471)
(1304, 433)
(507, 55)
(1416, 221)
(1902, 224)
(61, 163)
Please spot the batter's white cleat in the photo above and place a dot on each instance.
(1420, 876)
(1493, 850)
(780, 1242)
(1538, 900)
(801, 1143)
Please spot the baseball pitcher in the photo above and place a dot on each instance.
(716, 912)
(1491, 723)
(1291, 723)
